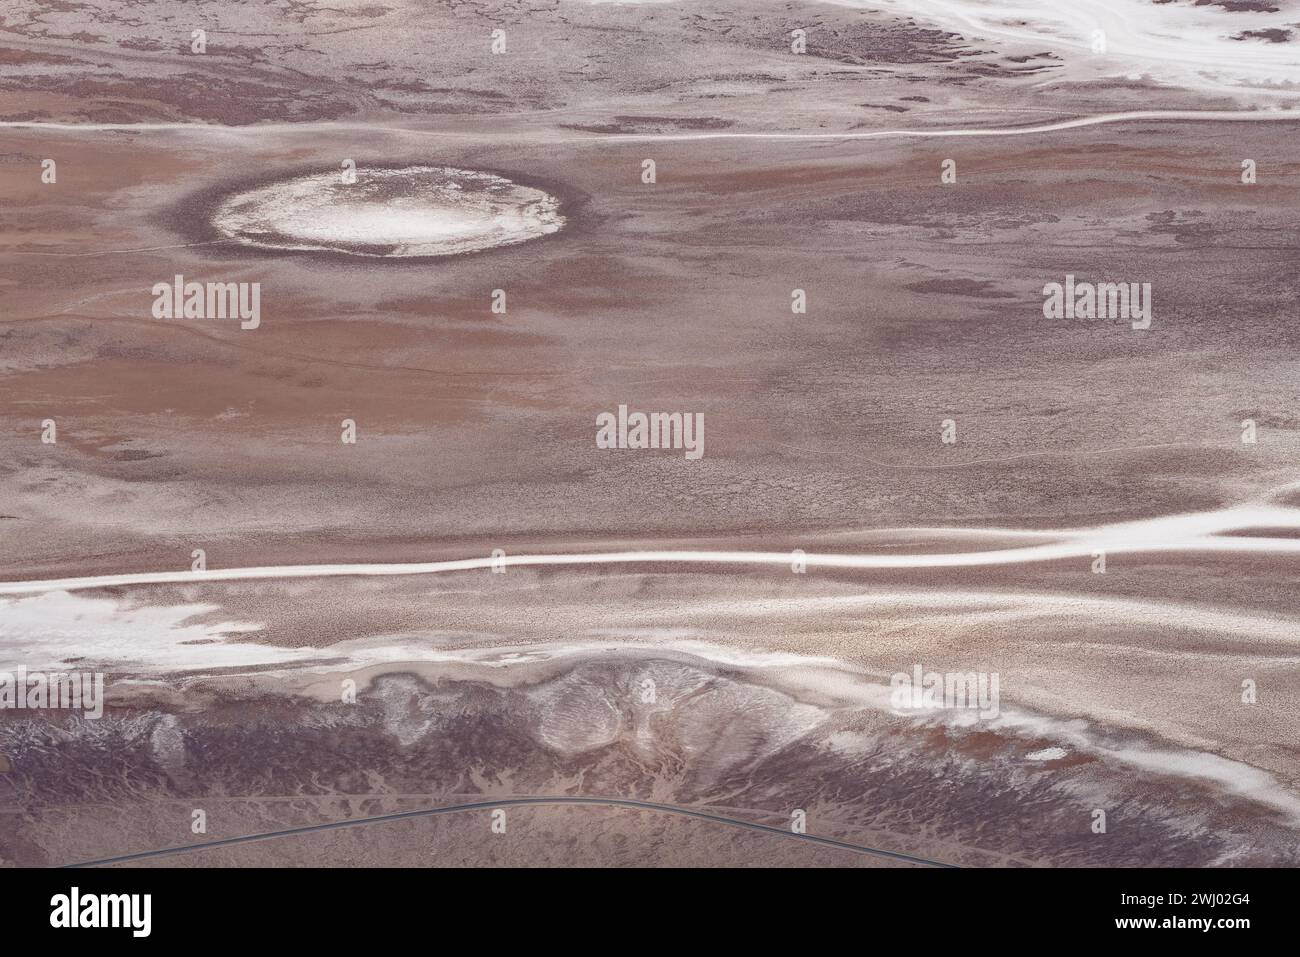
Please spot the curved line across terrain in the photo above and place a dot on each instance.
(1191, 533)
(521, 802)
(1196, 116)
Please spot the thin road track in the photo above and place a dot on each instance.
(1098, 119)
(520, 802)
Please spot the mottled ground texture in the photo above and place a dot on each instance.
(1146, 654)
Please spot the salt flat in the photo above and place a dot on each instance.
(368, 553)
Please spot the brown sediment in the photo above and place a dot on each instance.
(476, 431)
